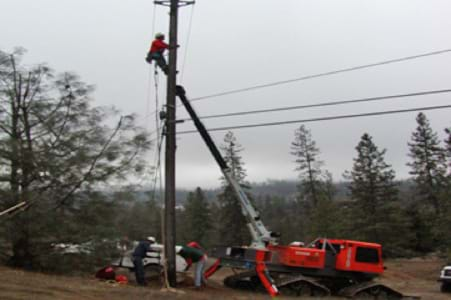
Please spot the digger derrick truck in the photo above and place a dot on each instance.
(323, 267)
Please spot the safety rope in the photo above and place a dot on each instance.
(150, 67)
(159, 138)
(159, 142)
(158, 172)
(162, 216)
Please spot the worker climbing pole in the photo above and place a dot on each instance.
(169, 220)
(156, 53)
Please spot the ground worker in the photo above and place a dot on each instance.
(193, 253)
(138, 255)
(156, 52)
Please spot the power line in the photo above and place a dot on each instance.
(369, 99)
(321, 119)
(236, 91)
(147, 115)
(187, 42)
(260, 86)
(154, 18)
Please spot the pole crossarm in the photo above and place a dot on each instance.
(180, 2)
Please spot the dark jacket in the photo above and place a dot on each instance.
(193, 254)
(142, 248)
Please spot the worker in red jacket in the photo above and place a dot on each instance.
(156, 52)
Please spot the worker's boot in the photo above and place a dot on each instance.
(165, 70)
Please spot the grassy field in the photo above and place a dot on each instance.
(413, 276)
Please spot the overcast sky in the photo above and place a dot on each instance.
(240, 43)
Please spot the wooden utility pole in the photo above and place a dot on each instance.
(169, 248)
(169, 216)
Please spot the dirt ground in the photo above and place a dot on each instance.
(413, 276)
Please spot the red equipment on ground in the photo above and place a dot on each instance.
(121, 279)
(106, 273)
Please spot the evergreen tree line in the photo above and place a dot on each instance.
(408, 221)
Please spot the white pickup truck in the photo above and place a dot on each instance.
(153, 262)
(445, 279)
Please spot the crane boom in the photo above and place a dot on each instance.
(261, 236)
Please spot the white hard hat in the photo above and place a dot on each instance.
(151, 239)
(178, 249)
(297, 244)
(159, 35)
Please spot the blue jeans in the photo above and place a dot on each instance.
(199, 272)
(159, 59)
(139, 270)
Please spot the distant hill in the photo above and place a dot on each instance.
(283, 188)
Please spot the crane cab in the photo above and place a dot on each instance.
(358, 256)
(336, 255)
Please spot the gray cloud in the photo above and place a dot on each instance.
(235, 44)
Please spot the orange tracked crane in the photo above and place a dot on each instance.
(324, 267)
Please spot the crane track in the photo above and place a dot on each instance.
(294, 285)
(298, 285)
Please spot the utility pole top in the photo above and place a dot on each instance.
(180, 2)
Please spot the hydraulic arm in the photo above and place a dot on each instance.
(261, 236)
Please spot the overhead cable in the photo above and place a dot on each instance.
(271, 84)
(154, 17)
(190, 25)
(378, 113)
(332, 103)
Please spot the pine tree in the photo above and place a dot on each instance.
(375, 196)
(232, 149)
(428, 165)
(272, 210)
(315, 213)
(197, 218)
(444, 221)
(309, 166)
(325, 220)
(448, 148)
(232, 225)
(139, 219)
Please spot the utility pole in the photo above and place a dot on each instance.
(169, 215)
